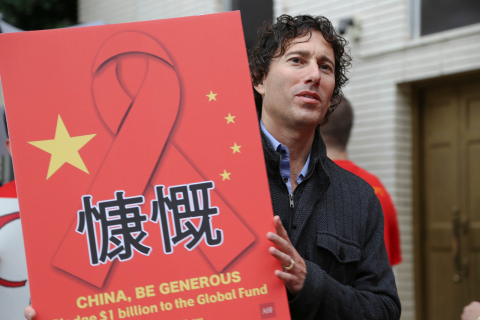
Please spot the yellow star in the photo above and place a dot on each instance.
(212, 96)
(236, 148)
(230, 118)
(225, 175)
(64, 149)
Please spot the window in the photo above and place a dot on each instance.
(440, 15)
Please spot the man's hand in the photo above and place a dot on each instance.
(472, 311)
(29, 313)
(286, 253)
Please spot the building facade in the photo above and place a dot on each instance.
(415, 88)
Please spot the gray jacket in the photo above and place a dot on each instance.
(336, 225)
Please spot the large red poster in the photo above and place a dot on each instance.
(140, 174)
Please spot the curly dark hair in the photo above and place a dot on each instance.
(273, 41)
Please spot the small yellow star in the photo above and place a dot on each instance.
(225, 175)
(212, 96)
(230, 118)
(236, 148)
(63, 148)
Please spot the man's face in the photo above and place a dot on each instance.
(297, 89)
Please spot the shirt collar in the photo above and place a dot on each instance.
(273, 142)
(285, 163)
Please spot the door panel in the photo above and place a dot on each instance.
(440, 169)
(470, 102)
(450, 178)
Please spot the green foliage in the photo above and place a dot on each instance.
(39, 14)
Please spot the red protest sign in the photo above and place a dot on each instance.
(140, 171)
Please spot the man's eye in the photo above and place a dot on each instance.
(295, 60)
(326, 67)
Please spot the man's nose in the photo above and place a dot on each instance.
(313, 74)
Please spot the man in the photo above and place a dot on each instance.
(336, 134)
(329, 222)
(334, 258)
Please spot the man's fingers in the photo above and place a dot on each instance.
(285, 276)
(280, 239)
(276, 239)
(294, 268)
(280, 229)
(292, 281)
(284, 258)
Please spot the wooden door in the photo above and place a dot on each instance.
(450, 179)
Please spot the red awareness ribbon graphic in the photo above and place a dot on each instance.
(3, 221)
(137, 93)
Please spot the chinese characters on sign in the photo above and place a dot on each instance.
(114, 228)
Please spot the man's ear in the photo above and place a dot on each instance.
(7, 144)
(260, 88)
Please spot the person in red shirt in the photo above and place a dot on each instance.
(336, 133)
(8, 190)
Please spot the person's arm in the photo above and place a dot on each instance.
(373, 294)
(471, 311)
